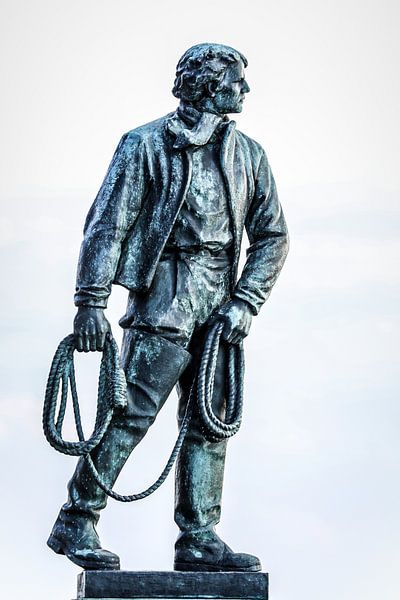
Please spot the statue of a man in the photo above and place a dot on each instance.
(167, 224)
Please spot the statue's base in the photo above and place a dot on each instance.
(175, 585)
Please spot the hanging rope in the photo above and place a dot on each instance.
(214, 428)
(111, 397)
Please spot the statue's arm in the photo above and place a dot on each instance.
(269, 242)
(112, 214)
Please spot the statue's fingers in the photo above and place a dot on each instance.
(236, 337)
(93, 343)
(86, 342)
(101, 340)
(231, 334)
(244, 331)
(91, 337)
(226, 332)
(79, 343)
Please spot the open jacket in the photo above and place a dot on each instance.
(134, 212)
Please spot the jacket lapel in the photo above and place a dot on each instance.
(227, 163)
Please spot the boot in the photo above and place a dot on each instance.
(76, 537)
(204, 551)
(152, 366)
(198, 491)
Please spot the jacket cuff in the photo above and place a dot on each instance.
(88, 299)
(241, 296)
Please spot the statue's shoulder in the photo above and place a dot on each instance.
(255, 150)
(148, 131)
(254, 146)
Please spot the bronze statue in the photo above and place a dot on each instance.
(167, 224)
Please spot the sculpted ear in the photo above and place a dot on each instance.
(212, 88)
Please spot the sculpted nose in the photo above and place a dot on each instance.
(245, 87)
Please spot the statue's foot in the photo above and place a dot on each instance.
(77, 539)
(205, 551)
(96, 559)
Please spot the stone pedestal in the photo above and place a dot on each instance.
(175, 585)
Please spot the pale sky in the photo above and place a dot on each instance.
(312, 480)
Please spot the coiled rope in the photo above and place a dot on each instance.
(214, 428)
(111, 397)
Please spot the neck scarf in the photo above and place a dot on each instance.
(200, 126)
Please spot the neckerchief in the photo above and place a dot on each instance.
(192, 127)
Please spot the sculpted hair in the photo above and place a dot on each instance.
(200, 66)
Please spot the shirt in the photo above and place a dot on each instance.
(204, 219)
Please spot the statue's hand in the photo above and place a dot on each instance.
(237, 317)
(90, 329)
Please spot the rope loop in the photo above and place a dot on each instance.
(111, 396)
(216, 429)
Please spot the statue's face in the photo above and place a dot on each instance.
(230, 95)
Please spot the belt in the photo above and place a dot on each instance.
(175, 252)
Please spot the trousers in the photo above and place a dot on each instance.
(163, 340)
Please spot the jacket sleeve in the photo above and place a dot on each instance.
(269, 242)
(111, 216)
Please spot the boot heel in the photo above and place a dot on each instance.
(55, 545)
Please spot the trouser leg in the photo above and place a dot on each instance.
(199, 481)
(200, 465)
(152, 365)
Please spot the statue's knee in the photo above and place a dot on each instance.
(135, 423)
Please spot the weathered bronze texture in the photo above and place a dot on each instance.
(167, 224)
(166, 584)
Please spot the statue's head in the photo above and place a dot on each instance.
(211, 77)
